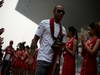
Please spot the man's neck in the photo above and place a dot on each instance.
(57, 21)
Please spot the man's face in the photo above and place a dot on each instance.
(59, 12)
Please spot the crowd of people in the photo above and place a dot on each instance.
(56, 45)
(19, 61)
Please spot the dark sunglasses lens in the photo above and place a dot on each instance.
(61, 11)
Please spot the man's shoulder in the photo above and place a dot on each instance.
(45, 21)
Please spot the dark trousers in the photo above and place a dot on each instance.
(6, 67)
(42, 68)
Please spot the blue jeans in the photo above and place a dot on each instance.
(42, 67)
(98, 65)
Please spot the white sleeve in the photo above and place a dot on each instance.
(65, 35)
(40, 29)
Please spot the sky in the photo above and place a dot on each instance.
(17, 27)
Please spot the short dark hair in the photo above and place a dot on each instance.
(73, 31)
(56, 6)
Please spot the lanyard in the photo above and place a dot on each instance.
(52, 30)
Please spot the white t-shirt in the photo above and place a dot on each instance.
(43, 31)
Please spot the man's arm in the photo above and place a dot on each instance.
(95, 48)
(38, 34)
(34, 43)
(72, 52)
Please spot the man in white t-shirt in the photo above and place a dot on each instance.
(46, 37)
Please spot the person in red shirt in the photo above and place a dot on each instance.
(7, 59)
(31, 61)
(89, 51)
(18, 62)
(69, 52)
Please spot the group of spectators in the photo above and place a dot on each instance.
(19, 61)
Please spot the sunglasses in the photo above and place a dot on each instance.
(61, 11)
